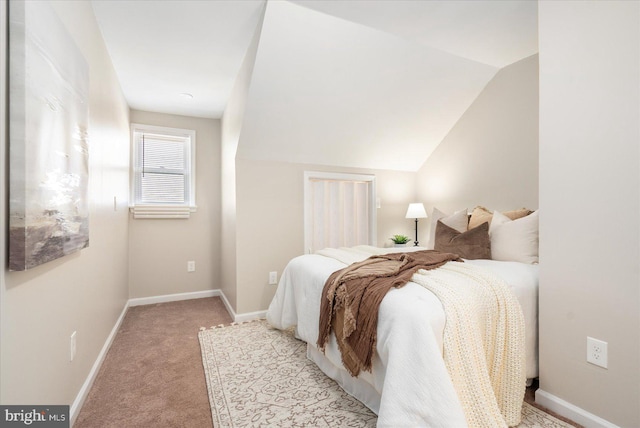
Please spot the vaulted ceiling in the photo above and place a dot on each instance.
(374, 84)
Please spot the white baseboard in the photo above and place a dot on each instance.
(248, 316)
(139, 301)
(227, 305)
(86, 386)
(568, 410)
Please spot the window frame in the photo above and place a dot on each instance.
(163, 210)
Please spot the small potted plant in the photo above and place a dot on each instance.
(400, 240)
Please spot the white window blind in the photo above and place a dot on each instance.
(163, 172)
(339, 210)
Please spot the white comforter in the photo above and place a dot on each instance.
(409, 384)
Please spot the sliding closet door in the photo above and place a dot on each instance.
(339, 210)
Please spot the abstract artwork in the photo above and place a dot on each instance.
(48, 142)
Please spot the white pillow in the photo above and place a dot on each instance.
(458, 221)
(514, 240)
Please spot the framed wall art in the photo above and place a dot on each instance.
(48, 138)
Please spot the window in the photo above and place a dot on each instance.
(163, 172)
(340, 210)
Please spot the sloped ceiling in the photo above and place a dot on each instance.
(164, 49)
(494, 32)
(372, 84)
(330, 91)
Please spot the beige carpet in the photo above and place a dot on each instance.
(152, 375)
(259, 376)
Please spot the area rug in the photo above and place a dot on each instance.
(258, 376)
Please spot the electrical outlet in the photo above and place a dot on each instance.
(597, 352)
(72, 347)
(273, 278)
(191, 266)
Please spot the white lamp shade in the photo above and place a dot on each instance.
(416, 210)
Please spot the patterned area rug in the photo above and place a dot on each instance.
(260, 377)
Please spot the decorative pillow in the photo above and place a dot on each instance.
(481, 215)
(472, 244)
(478, 216)
(458, 220)
(514, 240)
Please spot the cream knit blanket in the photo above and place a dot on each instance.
(484, 348)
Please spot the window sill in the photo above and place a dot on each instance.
(162, 211)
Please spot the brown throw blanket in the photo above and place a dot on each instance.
(351, 298)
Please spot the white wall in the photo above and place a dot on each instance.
(231, 128)
(590, 205)
(160, 248)
(270, 220)
(86, 291)
(3, 170)
(490, 157)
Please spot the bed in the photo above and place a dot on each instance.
(409, 384)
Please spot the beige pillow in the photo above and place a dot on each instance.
(481, 215)
(514, 240)
(472, 244)
(458, 220)
(478, 216)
